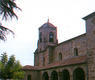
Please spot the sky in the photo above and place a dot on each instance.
(65, 14)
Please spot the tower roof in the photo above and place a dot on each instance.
(47, 25)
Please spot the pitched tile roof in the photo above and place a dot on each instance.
(48, 24)
(66, 62)
(29, 67)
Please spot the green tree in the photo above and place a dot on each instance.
(3, 61)
(4, 58)
(10, 68)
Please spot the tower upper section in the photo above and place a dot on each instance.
(47, 36)
(90, 30)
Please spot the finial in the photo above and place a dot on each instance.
(48, 20)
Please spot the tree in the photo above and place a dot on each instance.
(3, 32)
(7, 8)
(10, 68)
(3, 61)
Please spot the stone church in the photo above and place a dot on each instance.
(73, 59)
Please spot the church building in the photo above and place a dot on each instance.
(73, 59)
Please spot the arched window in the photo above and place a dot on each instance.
(75, 51)
(51, 36)
(29, 77)
(40, 36)
(45, 76)
(54, 75)
(79, 74)
(65, 75)
(60, 56)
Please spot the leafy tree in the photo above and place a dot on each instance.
(3, 61)
(7, 9)
(10, 68)
(3, 32)
(4, 58)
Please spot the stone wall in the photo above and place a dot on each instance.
(67, 47)
(70, 69)
(35, 75)
(90, 24)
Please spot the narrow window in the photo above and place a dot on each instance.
(29, 77)
(60, 56)
(37, 60)
(40, 36)
(51, 36)
(45, 40)
(51, 55)
(75, 52)
(43, 61)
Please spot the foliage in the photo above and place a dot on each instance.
(10, 68)
(7, 8)
(3, 32)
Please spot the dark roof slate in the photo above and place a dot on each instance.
(82, 35)
(89, 16)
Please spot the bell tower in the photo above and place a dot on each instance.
(47, 36)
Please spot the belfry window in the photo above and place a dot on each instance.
(75, 52)
(60, 56)
(51, 36)
(40, 36)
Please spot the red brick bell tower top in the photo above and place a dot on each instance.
(47, 36)
(48, 24)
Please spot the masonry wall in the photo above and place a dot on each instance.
(45, 37)
(67, 48)
(69, 68)
(35, 75)
(90, 24)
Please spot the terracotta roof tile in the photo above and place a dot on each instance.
(29, 67)
(66, 62)
(48, 24)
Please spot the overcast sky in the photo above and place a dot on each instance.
(65, 14)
